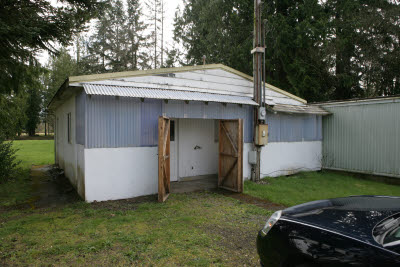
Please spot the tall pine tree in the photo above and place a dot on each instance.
(135, 28)
(318, 50)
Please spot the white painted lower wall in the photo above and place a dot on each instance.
(246, 166)
(69, 156)
(119, 173)
(290, 157)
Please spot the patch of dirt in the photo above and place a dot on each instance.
(263, 182)
(123, 204)
(50, 188)
(262, 203)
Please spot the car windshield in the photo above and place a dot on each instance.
(387, 233)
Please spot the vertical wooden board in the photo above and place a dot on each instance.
(168, 158)
(240, 155)
(230, 174)
(219, 153)
(163, 158)
(160, 161)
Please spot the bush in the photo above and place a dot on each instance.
(8, 161)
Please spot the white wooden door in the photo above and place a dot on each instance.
(198, 150)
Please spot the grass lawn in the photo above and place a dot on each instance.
(36, 152)
(198, 229)
(309, 186)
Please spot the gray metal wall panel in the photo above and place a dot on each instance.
(80, 102)
(199, 110)
(363, 137)
(293, 127)
(128, 122)
(113, 122)
(151, 110)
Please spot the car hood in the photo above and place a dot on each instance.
(355, 216)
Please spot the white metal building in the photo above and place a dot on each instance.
(107, 128)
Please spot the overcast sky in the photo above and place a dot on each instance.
(170, 8)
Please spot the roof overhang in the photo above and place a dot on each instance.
(165, 94)
(64, 92)
(303, 109)
(136, 73)
(107, 76)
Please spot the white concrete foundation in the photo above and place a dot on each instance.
(69, 155)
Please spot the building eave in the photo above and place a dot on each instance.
(137, 73)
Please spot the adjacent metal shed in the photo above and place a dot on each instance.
(363, 135)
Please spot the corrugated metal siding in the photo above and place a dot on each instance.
(113, 122)
(199, 110)
(80, 103)
(157, 93)
(151, 110)
(363, 137)
(129, 122)
(294, 127)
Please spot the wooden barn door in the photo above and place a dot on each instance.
(163, 158)
(230, 168)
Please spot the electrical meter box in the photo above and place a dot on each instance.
(262, 134)
(262, 113)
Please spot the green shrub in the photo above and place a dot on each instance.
(8, 161)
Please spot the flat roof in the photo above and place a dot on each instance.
(357, 100)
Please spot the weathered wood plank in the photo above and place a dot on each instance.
(163, 158)
(229, 137)
(230, 168)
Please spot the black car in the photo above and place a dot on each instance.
(350, 231)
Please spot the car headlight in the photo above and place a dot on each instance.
(271, 221)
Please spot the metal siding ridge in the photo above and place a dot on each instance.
(137, 92)
(299, 109)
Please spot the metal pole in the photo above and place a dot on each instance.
(263, 65)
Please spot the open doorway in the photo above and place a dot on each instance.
(200, 154)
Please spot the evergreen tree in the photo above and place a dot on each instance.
(135, 28)
(296, 58)
(34, 91)
(98, 47)
(118, 42)
(116, 37)
(220, 30)
(60, 67)
(155, 41)
(319, 50)
(28, 26)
